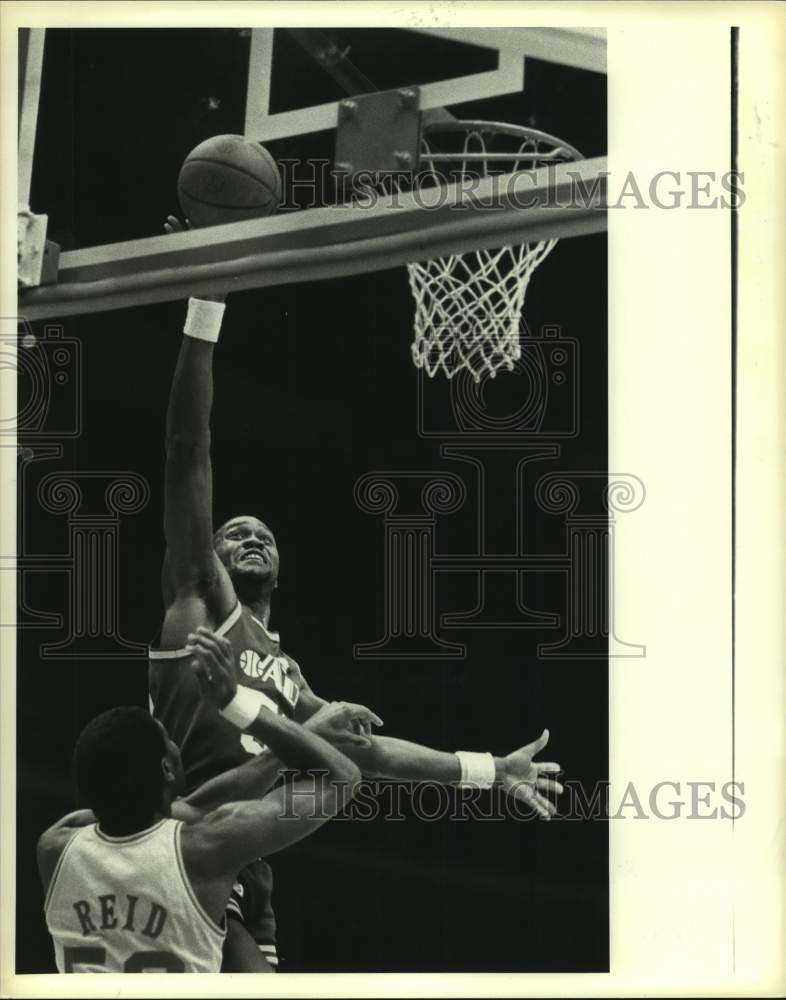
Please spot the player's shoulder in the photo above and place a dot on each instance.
(50, 849)
(54, 839)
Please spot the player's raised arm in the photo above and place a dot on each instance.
(191, 569)
(188, 485)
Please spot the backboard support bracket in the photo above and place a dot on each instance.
(378, 134)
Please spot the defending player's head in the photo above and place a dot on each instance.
(247, 548)
(127, 769)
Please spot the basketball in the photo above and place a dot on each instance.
(226, 179)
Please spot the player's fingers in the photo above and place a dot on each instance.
(210, 656)
(548, 767)
(207, 640)
(201, 656)
(528, 794)
(540, 742)
(208, 635)
(533, 801)
(549, 785)
(368, 719)
(365, 715)
(202, 675)
(207, 656)
(546, 804)
(197, 639)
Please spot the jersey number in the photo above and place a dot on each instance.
(140, 961)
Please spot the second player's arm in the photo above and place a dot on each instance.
(387, 757)
(239, 832)
(400, 760)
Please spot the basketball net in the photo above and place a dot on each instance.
(468, 306)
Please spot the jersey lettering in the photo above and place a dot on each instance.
(129, 924)
(82, 908)
(252, 664)
(108, 918)
(156, 921)
(156, 918)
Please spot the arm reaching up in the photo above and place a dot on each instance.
(196, 587)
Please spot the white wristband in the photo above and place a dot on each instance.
(244, 707)
(203, 320)
(477, 769)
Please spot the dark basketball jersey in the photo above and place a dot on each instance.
(210, 745)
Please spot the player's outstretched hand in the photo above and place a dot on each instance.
(174, 225)
(212, 664)
(344, 725)
(530, 781)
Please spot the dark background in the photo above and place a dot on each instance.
(314, 388)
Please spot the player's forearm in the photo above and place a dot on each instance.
(401, 760)
(251, 780)
(190, 400)
(188, 497)
(300, 749)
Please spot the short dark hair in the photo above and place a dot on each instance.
(117, 767)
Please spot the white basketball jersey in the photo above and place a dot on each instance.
(125, 904)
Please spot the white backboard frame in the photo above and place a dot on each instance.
(263, 126)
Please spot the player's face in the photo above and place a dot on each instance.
(246, 546)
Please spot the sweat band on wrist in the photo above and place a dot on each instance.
(244, 707)
(477, 769)
(203, 320)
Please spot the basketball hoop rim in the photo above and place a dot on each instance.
(500, 128)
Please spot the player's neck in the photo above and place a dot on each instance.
(256, 599)
(259, 608)
(128, 829)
